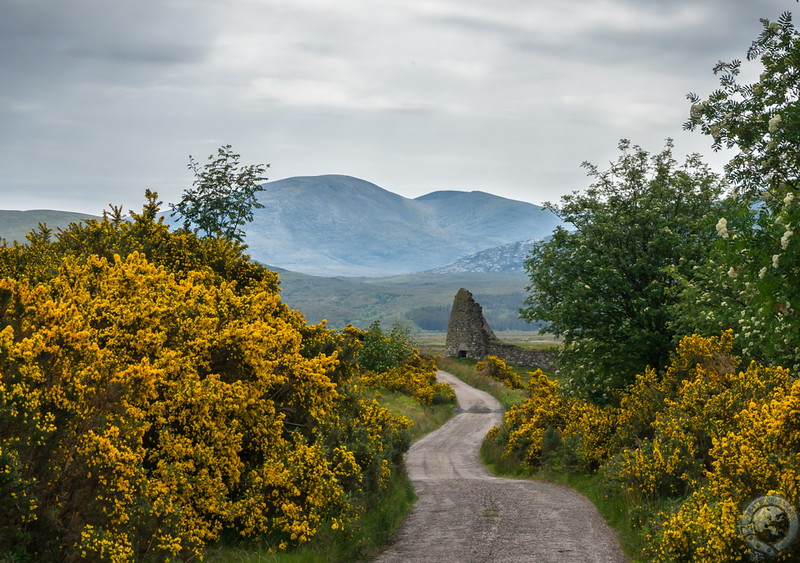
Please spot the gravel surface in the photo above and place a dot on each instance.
(464, 514)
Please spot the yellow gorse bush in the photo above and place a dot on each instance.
(704, 437)
(496, 368)
(149, 405)
(415, 378)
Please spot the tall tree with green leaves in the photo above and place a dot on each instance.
(223, 196)
(757, 249)
(604, 281)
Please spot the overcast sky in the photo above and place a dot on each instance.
(101, 99)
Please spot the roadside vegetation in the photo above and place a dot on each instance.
(159, 402)
(677, 401)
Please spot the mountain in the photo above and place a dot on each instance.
(14, 225)
(342, 226)
(507, 258)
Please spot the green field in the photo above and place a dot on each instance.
(432, 343)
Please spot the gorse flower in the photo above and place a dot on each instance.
(152, 403)
(703, 438)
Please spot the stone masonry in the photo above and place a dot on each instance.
(470, 336)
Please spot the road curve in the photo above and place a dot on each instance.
(464, 514)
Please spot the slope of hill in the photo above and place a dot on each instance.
(507, 258)
(14, 225)
(342, 226)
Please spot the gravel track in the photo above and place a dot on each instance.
(464, 514)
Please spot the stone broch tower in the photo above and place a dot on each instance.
(470, 336)
(468, 333)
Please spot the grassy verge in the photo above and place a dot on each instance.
(426, 418)
(375, 527)
(464, 369)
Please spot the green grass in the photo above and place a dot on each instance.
(426, 418)
(464, 369)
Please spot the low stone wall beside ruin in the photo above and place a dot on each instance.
(516, 356)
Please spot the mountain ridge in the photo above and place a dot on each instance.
(508, 258)
(15, 224)
(336, 225)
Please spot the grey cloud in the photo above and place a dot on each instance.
(100, 99)
(45, 40)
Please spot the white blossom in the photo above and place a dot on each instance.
(775, 259)
(787, 201)
(722, 227)
(732, 272)
(785, 238)
(762, 272)
(774, 122)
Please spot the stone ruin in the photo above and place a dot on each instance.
(470, 336)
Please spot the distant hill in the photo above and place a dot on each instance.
(342, 226)
(14, 225)
(507, 258)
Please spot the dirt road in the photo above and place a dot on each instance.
(464, 514)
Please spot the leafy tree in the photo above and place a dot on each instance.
(223, 195)
(757, 251)
(605, 285)
(382, 352)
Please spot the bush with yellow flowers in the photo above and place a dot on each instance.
(389, 361)
(155, 394)
(497, 369)
(701, 441)
(525, 426)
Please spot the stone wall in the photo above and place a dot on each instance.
(516, 356)
(470, 336)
